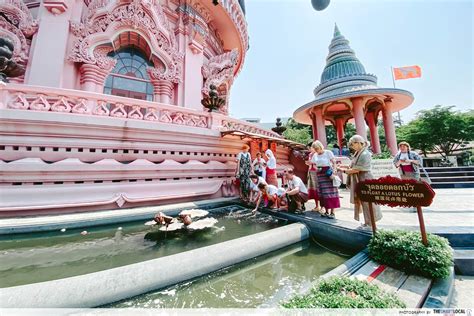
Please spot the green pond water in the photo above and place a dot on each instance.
(261, 282)
(32, 258)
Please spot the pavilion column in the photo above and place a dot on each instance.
(315, 128)
(374, 134)
(389, 127)
(358, 113)
(340, 130)
(320, 126)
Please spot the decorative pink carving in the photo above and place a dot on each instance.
(80, 102)
(151, 114)
(228, 125)
(96, 73)
(19, 15)
(40, 103)
(55, 6)
(172, 73)
(178, 118)
(101, 108)
(19, 102)
(144, 15)
(165, 117)
(200, 9)
(219, 69)
(21, 44)
(119, 110)
(81, 107)
(61, 105)
(135, 113)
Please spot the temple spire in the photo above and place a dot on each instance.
(336, 30)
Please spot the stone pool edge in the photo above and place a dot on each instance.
(21, 225)
(103, 287)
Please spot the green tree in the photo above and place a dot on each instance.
(298, 132)
(440, 129)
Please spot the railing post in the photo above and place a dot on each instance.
(3, 95)
(215, 121)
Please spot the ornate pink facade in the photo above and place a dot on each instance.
(78, 133)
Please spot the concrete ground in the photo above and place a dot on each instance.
(463, 292)
(450, 208)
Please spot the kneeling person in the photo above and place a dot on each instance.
(273, 197)
(255, 191)
(297, 193)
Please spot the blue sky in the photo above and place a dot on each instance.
(289, 44)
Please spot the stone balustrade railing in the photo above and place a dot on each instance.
(46, 99)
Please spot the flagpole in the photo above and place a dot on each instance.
(393, 80)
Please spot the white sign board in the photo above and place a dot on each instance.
(384, 167)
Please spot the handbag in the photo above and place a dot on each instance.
(329, 172)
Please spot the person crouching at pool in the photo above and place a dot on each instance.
(273, 197)
(255, 191)
(297, 193)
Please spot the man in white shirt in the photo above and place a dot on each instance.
(297, 193)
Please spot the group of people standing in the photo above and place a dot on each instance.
(258, 180)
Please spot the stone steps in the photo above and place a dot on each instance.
(451, 177)
(464, 261)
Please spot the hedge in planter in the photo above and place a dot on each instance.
(343, 292)
(405, 251)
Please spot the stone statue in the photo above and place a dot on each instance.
(219, 69)
(8, 68)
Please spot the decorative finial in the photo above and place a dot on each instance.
(336, 30)
(320, 5)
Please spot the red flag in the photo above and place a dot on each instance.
(407, 72)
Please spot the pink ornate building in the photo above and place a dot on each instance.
(109, 114)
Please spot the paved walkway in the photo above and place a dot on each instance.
(463, 292)
(451, 208)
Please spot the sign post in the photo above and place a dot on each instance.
(396, 192)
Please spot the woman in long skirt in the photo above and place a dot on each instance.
(359, 171)
(327, 192)
(244, 169)
(271, 175)
(313, 180)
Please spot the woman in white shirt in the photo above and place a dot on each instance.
(327, 192)
(271, 175)
(259, 165)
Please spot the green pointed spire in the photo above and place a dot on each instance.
(336, 30)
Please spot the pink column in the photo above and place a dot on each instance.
(315, 129)
(390, 135)
(320, 126)
(162, 90)
(93, 77)
(49, 49)
(374, 134)
(358, 113)
(340, 130)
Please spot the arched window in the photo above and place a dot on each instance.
(129, 77)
